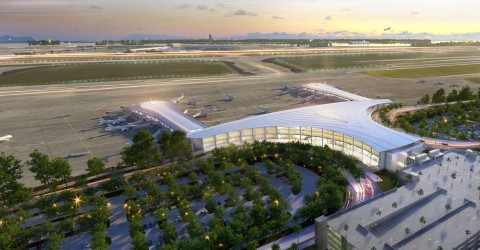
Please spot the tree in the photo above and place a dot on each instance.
(296, 230)
(439, 96)
(161, 213)
(424, 100)
(169, 232)
(41, 166)
(346, 227)
(420, 192)
(130, 191)
(448, 207)
(175, 145)
(294, 246)
(143, 152)
(275, 247)
(193, 177)
(95, 166)
(394, 205)
(467, 233)
(10, 173)
(63, 170)
(452, 96)
(422, 220)
(465, 93)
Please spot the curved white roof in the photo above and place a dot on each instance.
(334, 91)
(350, 118)
(168, 113)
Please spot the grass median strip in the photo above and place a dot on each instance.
(111, 72)
(426, 72)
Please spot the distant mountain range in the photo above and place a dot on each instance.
(15, 39)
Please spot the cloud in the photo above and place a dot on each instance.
(243, 13)
(204, 7)
(183, 6)
(278, 17)
(414, 13)
(220, 5)
(95, 7)
(327, 18)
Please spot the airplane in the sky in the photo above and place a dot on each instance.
(5, 138)
(178, 99)
(264, 109)
(230, 97)
(115, 121)
(387, 29)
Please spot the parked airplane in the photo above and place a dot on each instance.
(115, 121)
(282, 92)
(5, 138)
(306, 98)
(438, 83)
(178, 99)
(204, 113)
(194, 102)
(125, 127)
(421, 81)
(289, 87)
(264, 109)
(230, 97)
(186, 111)
(387, 29)
(453, 85)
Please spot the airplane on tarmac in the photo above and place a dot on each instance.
(194, 102)
(453, 85)
(264, 109)
(306, 98)
(438, 83)
(421, 81)
(178, 99)
(204, 113)
(230, 97)
(124, 127)
(114, 121)
(282, 92)
(5, 138)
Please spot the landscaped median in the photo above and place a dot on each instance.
(114, 71)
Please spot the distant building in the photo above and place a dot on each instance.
(210, 38)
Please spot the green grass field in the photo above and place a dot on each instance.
(474, 80)
(306, 63)
(94, 72)
(426, 72)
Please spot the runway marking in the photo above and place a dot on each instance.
(78, 137)
(43, 136)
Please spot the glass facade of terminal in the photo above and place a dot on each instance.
(315, 136)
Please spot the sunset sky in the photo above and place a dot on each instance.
(114, 19)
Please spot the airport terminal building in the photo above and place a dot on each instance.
(345, 126)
